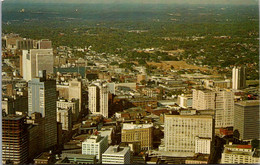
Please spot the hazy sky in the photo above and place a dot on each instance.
(240, 2)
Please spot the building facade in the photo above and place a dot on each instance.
(238, 78)
(117, 155)
(222, 101)
(141, 133)
(98, 99)
(72, 104)
(185, 101)
(246, 119)
(35, 60)
(239, 154)
(64, 116)
(42, 98)
(95, 145)
(202, 145)
(181, 131)
(15, 140)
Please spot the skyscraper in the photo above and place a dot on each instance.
(42, 99)
(35, 60)
(246, 119)
(222, 101)
(238, 78)
(98, 98)
(75, 91)
(14, 140)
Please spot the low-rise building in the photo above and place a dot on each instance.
(142, 133)
(185, 101)
(117, 155)
(239, 154)
(95, 145)
(77, 159)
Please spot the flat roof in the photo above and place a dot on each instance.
(13, 117)
(249, 103)
(190, 116)
(69, 155)
(127, 126)
(110, 151)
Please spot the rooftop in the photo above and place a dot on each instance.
(237, 149)
(249, 103)
(136, 126)
(13, 117)
(116, 150)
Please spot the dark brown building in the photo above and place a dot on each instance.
(14, 140)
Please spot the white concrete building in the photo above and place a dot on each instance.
(98, 98)
(180, 132)
(34, 60)
(222, 101)
(238, 78)
(109, 132)
(95, 145)
(239, 154)
(185, 101)
(202, 145)
(117, 155)
(75, 91)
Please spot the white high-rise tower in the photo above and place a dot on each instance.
(238, 78)
(98, 99)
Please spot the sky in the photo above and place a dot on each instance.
(239, 2)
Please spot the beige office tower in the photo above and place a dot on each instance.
(35, 60)
(222, 101)
(181, 132)
(98, 99)
(238, 78)
(75, 91)
(138, 133)
(246, 119)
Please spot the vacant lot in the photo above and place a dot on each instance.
(178, 65)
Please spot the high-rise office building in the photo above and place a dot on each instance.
(35, 60)
(75, 91)
(181, 131)
(98, 99)
(238, 78)
(222, 101)
(42, 98)
(117, 155)
(246, 119)
(14, 140)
